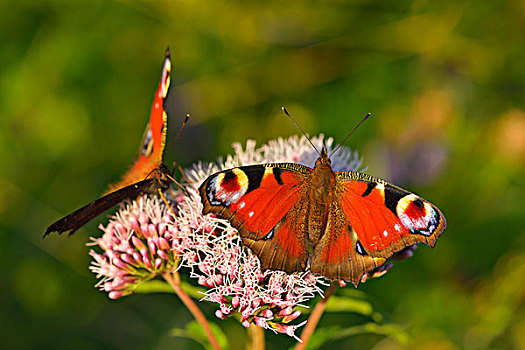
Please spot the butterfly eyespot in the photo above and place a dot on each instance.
(227, 188)
(147, 144)
(416, 215)
(235, 197)
(166, 78)
(385, 233)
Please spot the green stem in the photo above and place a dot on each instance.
(315, 316)
(256, 338)
(174, 281)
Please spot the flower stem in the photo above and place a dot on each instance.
(315, 316)
(174, 281)
(256, 338)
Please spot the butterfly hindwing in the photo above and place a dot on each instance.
(262, 202)
(339, 254)
(284, 247)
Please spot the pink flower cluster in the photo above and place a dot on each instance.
(145, 239)
(137, 246)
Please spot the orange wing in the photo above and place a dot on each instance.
(369, 221)
(387, 218)
(339, 254)
(263, 202)
(154, 139)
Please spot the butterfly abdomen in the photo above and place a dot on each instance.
(320, 193)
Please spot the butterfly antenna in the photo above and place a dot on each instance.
(184, 177)
(350, 133)
(184, 189)
(298, 127)
(180, 130)
(165, 200)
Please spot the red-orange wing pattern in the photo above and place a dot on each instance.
(369, 221)
(154, 139)
(387, 218)
(263, 202)
(338, 253)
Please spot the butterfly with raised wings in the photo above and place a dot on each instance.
(337, 224)
(147, 175)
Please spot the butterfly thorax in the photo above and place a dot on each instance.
(321, 191)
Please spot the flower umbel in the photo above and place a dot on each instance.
(145, 240)
(137, 245)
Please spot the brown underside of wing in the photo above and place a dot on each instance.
(82, 216)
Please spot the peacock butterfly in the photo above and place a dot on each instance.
(337, 224)
(147, 174)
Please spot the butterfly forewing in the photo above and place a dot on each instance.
(154, 139)
(262, 202)
(387, 218)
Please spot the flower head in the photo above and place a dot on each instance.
(137, 245)
(146, 239)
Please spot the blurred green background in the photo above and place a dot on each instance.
(444, 81)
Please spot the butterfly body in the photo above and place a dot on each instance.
(321, 188)
(338, 224)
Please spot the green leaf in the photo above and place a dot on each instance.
(182, 333)
(321, 336)
(195, 330)
(192, 291)
(358, 304)
(326, 334)
(352, 293)
(347, 304)
(389, 330)
(154, 286)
